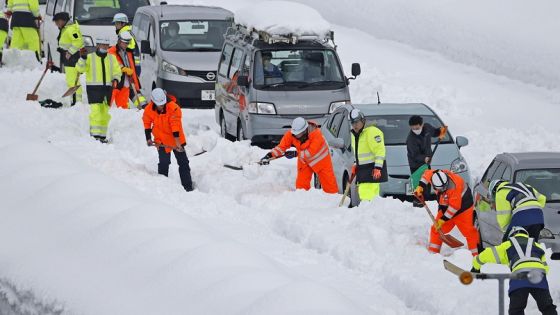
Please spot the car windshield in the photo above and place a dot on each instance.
(101, 12)
(396, 129)
(303, 69)
(193, 35)
(545, 181)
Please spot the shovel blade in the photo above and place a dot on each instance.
(450, 240)
(32, 97)
(71, 91)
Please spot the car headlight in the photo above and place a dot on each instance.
(335, 105)
(459, 165)
(88, 41)
(167, 67)
(546, 233)
(262, 108)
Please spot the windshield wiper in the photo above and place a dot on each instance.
(286, 83)
(318, 83)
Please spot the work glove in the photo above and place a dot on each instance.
(354, 169)
(376, 173)
(150, 142)
(267, 157)
(474, 270)
(127, 71)
(442, 132)
(290, 154)
(419, 193)
(438, 224)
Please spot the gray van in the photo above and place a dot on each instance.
(180, 47)
(265, 81)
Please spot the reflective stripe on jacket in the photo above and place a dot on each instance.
(70, 38)
(456, 199)
(512, 199)
(165, 126)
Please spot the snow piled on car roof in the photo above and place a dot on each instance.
(282, 18)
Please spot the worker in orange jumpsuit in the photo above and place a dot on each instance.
(456, 207)
(312, 152)
(129, 85)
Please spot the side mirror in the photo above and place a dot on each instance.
(462, 141)
(356, 70)
(336, 143)
(243, 80)
(145, 47)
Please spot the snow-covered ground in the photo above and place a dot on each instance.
(92, 229)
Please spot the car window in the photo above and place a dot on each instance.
(334, 127)
(58, 6)
(225, 60)
(246, 66)
(545, 181)
(344, 132)
(499, 171)
(143, 22)
(396, 129)
(50, 7)
(507, 173)
(489, 172)
(235, 62)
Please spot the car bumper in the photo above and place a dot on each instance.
(189, 94)
(271, 128)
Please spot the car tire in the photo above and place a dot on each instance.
(223, 129)
(240, 131)
(316, 182)
(344, 182)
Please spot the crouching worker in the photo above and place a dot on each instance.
(523, 255)
(162, 118)
(312, 152)
(102, 75)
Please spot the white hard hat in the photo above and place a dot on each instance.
(355, 115)
(103, 40)
(439, 180)
(299, 125)
(158, 97)
(120, 17)
(493, 187)
(125, 36)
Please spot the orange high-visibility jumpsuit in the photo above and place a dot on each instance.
(456, 208)
(313, 157)
(123, 92)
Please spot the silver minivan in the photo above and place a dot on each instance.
(180, 47)
(265, 81)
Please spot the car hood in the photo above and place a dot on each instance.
(302, 102)
(194, 61)
(552, 217)
(444, 155)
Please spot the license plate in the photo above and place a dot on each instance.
(208, 95)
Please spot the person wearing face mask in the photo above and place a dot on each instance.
(102, 75)
(419, 148)
(368, 146)
(312, 152)
(120, 20)
(455, 207)
(171, 34)
(70, 42)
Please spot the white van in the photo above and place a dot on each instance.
(94, 16)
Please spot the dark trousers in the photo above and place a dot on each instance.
(184, 169)
(534, 231)
(518, 301)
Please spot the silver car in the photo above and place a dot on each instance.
(538, 169)
(392, 119)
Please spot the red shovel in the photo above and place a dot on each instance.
(446, 238)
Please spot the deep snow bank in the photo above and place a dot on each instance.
(514, 38)
(100, 247)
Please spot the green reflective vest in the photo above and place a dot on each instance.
(505, 210)
(30, 6)
(371, 147)
(99, 71)
(71, 38)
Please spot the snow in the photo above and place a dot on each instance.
(92, 228)
(282, 18)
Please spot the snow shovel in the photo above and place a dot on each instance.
(136, 96)
(347, 189)
(33, 96)
(446, 238)
(73, 89)
(239, 168)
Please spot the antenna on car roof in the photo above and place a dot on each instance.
(378, 99)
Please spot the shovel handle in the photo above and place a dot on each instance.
(40, 80)
(347, 190)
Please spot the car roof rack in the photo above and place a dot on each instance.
(250, 35)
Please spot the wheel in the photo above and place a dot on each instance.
(240, 132)
(316, 182)
(477, 226)
(223, 129)
(344, 181)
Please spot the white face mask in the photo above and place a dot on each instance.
(417, 131)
